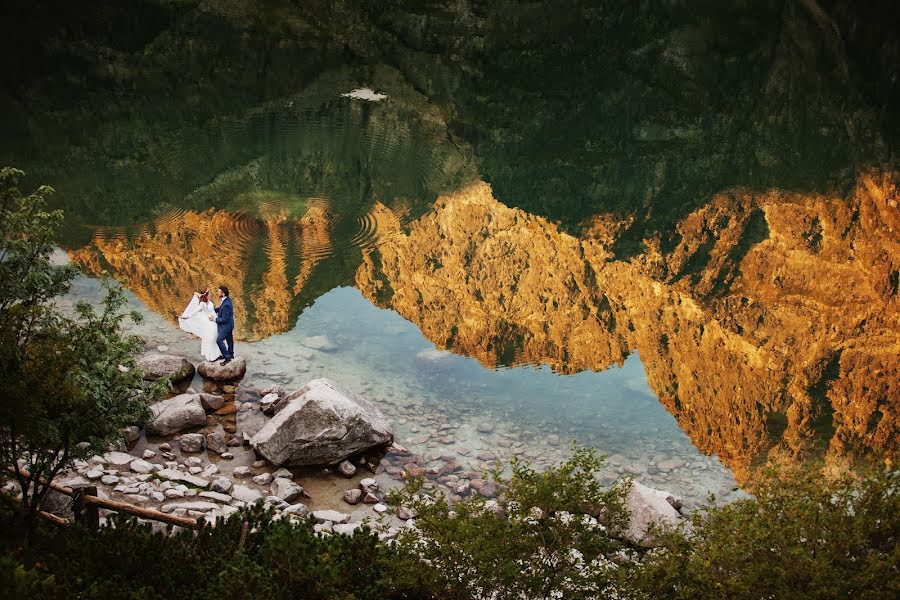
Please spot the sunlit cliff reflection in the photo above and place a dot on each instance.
(770, 330)
(264, 260)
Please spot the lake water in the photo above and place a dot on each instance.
(507, 247)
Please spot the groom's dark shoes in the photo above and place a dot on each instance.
(226, 361)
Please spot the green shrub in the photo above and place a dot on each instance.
(538, 540)
(248, 555)
(799, 538)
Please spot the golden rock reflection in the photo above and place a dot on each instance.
(772, 330)
(264, 261)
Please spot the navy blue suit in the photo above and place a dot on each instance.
(225, 325)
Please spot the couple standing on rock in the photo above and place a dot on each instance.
(213, 325)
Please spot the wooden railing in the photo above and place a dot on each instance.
(86, 507)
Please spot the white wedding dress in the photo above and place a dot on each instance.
(195, 320)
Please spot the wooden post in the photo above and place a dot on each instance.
(86, 513)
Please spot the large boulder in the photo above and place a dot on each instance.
(649, 512)
(216, 371)
(322, 423)
(176, 414)
(157, 366)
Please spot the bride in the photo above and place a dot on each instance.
(195, 320)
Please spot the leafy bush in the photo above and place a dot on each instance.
(541, 539)
(799, 538)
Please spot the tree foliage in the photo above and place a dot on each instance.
(68, 382)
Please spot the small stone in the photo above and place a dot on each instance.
(353, 496)
(221, 485)
(286, 490)
(368, 485)
(485, 427)
(109, 480)
(346, 528)
(347, 469)
(215, 441)
(263, 479)
(380, 508)
(174, 493)
(282, 472)
(165, 447)
(370, 498)
(676, 503)
(141, 466)
(191, 442)
(245, 494)
(241, 472)
(149, 454)
(405, 513)
(119, 459)
(217, 496)
(321, 516)
(94, 474)
(131, 434)
(259, 464)
(227, 455)
(300, 510)
(212, 401)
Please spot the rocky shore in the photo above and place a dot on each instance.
(321, 452)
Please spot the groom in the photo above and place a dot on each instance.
(225, 324)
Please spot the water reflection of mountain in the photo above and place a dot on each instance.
(771, 329)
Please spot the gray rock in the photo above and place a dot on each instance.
(368, 485)
(241, 472)
(157, 366)
(109, 480)
(380, 508)
(131, 433)
(669, 465)
(221, 485)
(192, 442)
(176, 475)
(215, 441)
(227, 455)
(217, 496)
(353, 496)
(346, 528)
(322, 423)
(286, 490)
(647, 508)
(176, 414)
(300, 510)
(141, 466)
(212, 401)
(119, 459)
(370, 498)
(268, 402)
(198, 505)
(322, 516)
(245, 494)
(347, 469)
(282, 472)
(263, 479)
(148, 454)
(218, 372)
(405, 513)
